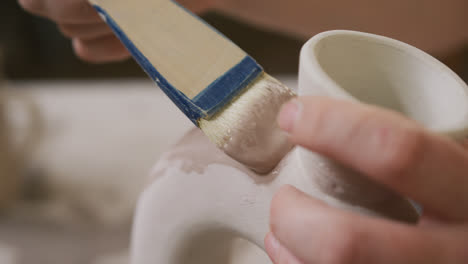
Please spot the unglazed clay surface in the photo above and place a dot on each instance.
(200, 200)
(202, 207)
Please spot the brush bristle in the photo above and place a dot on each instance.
(246, 128)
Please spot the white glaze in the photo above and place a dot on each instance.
(200, 199)
(246, 128)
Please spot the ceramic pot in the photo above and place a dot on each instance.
(9, 182)
(19, 121)
(202, 207)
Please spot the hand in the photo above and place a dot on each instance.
(390, 149)
(92, 39)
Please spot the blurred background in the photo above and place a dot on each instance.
(77, 140)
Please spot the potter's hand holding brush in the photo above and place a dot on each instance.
(431, 25)
(390, 149)
(92, 39)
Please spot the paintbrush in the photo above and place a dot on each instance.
(217, 85)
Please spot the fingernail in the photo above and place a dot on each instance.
(271, 245)
(289, 114)
(76, 44)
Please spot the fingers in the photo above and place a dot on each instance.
(316, 233)
(93, 40)
(64, 11)
(103, 49)
(85, 31)
(387, 147)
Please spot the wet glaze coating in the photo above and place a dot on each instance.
(249, 132)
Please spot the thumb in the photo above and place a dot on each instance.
(277, 252)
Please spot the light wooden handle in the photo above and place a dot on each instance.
(180, 52)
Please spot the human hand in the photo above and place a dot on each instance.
(392, 150)
(92, 39)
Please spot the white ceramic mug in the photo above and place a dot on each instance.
(385, 72)
(8, 180)
(19, 131)
(201, 203)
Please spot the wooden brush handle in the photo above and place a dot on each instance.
(180, 52)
